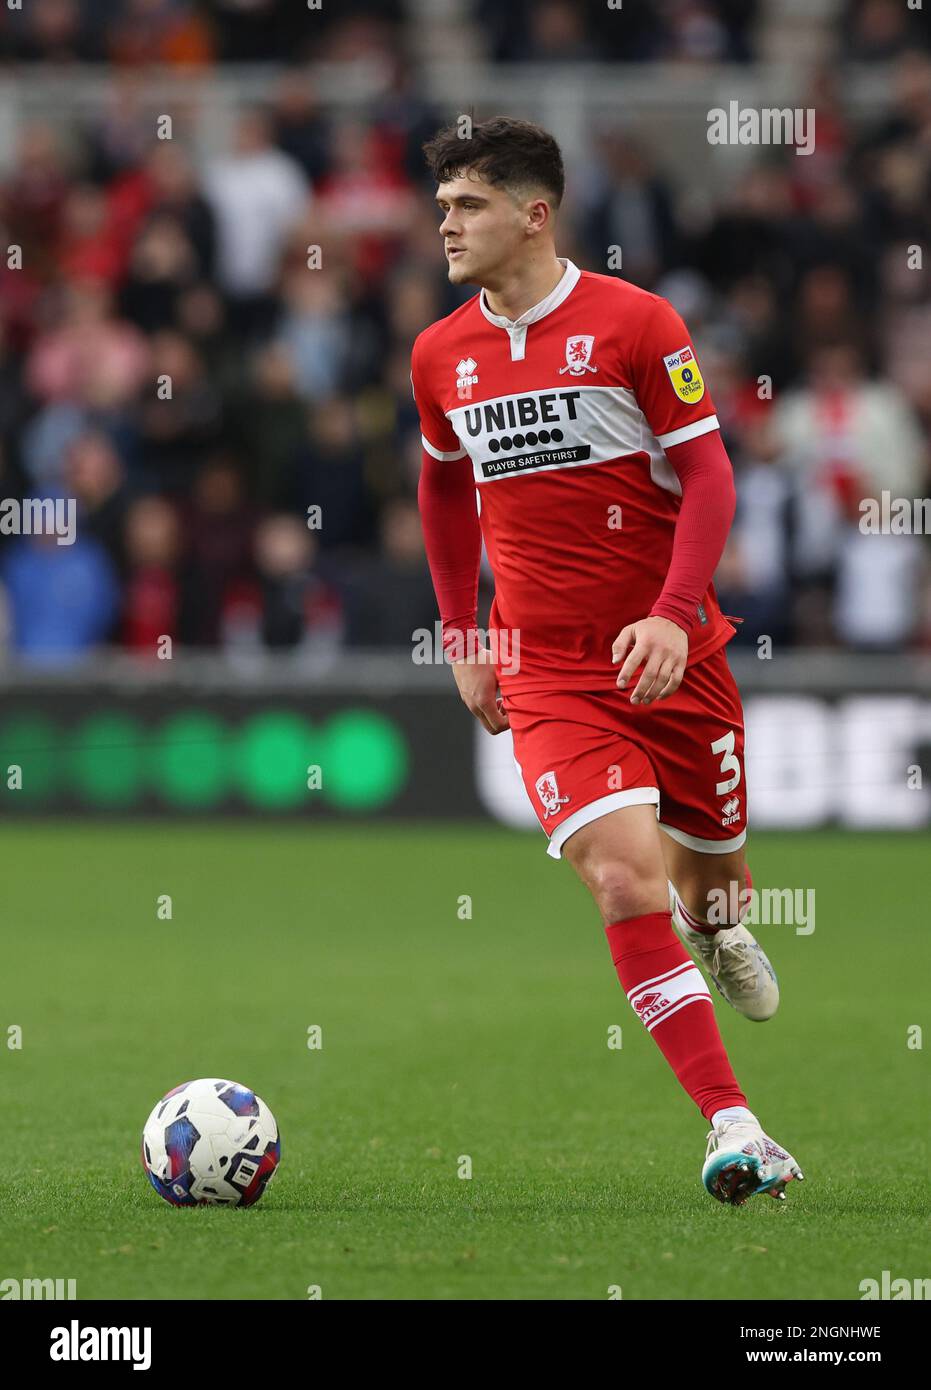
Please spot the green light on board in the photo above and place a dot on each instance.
(32, 744)
(274, 752)
(107, 759)
(190, 764)
(365, 762)
(194, 759)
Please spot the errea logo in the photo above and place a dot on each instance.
(466, 374)
(646, 1005)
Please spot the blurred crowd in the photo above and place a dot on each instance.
(189, 32)
(207, 31)
(212, 357)
(203, 32)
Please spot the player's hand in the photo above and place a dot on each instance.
(664, 648)
(478, 686)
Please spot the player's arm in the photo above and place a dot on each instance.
(705, 515)
(672, 396)
(453, 543)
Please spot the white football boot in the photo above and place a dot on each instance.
(741, 1160)
(739, 967)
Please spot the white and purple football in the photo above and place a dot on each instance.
(211, 1143)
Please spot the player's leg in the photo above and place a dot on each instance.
(595, 794)
(709, 886)
(708, 899)
(619, 858)
(696, 742)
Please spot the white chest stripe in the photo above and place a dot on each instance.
(566, 427)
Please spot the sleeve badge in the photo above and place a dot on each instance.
(685, 376)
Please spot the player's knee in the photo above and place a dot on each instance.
(621, 890)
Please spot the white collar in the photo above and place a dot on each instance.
(555, 297)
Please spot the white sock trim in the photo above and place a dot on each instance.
(734, 1112)
(690, 920)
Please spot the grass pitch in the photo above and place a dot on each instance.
(445, 1038)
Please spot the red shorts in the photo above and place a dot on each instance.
(582, 754)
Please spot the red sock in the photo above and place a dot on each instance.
(668, 992)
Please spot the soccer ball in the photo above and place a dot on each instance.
(210, 1143)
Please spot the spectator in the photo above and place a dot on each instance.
(331, 475)
(218, 531)
(62, 599)
(879, 588)
(90, 356)
(162, 266)
(315, 330)
(34, 197)
(390, 595)
(95, 477)
(174, 191)
(180, 418)
(268, 420)
(258, 194)
(753, 580)
(90, 248)
(301, 129)
(152, 592)
(298, 607)
(367, 197)
(557, 34)
(847, 439)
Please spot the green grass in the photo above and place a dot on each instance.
(442, 1037)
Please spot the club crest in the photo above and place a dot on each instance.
(548, 792)
(578, 352)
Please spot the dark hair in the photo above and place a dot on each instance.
(505, 152)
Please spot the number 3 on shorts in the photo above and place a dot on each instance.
(729, 763)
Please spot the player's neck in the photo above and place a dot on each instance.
(521, 290)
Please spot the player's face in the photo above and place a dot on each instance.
(482, 230)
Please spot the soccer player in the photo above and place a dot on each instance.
(564, 418)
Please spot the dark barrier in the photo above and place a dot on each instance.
(830, 740)
(320, 755)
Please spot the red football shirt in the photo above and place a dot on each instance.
(564, 414)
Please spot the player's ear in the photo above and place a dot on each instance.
(539, 215)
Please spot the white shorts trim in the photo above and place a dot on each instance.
(637, 796)
(705, 846)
